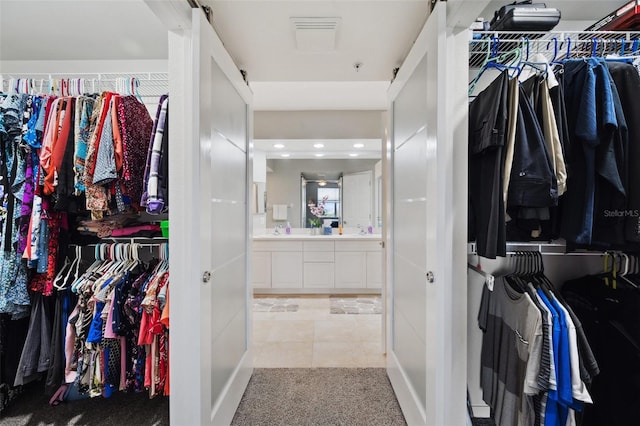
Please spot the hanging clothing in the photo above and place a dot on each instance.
(136, 129)
(610, 318)
(626, 78)
(511, 351)
(487, 133)
(591, 119)
(156, 180)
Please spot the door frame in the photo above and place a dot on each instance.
(447, 355)
(190, 373)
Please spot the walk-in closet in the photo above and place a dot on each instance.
(553, 219)
(130, 197)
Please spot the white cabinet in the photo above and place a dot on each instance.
(318, 275)
(316, 266)
(261, 269)
(351, 269)
(285, 264)
(318, 257)
(286, 269)
(374, 269)
(354, 265)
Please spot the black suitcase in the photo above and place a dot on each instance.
(525, 16)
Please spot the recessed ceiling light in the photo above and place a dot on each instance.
(319, 155)
(358, 145)
(278, 146)
(285, 155)
(318, 145)
(353, 155)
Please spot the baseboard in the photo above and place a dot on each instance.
(225, 409)
(412, 410)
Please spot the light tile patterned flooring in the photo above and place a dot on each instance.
(314, 337)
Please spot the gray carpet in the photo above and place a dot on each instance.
(275, 396)
(32, 409)
(319, 396)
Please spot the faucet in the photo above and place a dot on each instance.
(276, 229)
(361, 230)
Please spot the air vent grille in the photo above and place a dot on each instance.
(315, 34)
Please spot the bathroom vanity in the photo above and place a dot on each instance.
(317, 264)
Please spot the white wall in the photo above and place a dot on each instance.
(317, 124)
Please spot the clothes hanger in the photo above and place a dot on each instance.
(514, 279)
(58, 281)
(73, 266)
(135, 85)
(79, 282)
(497, 61)
(623, 275)
(537, 66)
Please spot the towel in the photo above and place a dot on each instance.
(279, 212)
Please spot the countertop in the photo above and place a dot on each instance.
(343, 237)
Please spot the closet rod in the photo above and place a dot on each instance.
(547, 249)
(489, 279)
(151, 245)
(146, 75)
(554, 45)
(560, 35)
(151, 83)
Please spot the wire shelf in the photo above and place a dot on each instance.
(552, 44)
(551, 248)
(150, 84)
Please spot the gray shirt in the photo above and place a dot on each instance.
(511, 351)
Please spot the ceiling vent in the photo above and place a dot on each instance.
(315, 34)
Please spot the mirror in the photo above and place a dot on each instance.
(319, 192)
(331, 142)
(355, 203)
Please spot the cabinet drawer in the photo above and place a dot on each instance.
(358, 245)
(277, 245)
(318, 246)
(318, 256)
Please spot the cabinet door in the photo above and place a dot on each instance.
(374, 269)
(318, 275)
(351, 270)
(261, 269)
(286, 269)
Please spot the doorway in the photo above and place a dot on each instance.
(306, 329)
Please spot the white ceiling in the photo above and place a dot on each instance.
(376, 34)
(258, 34)
(42, 30)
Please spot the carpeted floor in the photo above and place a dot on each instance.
(319, 396)
(32, 409)
(274, 397)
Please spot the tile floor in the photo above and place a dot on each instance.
(314, 337)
